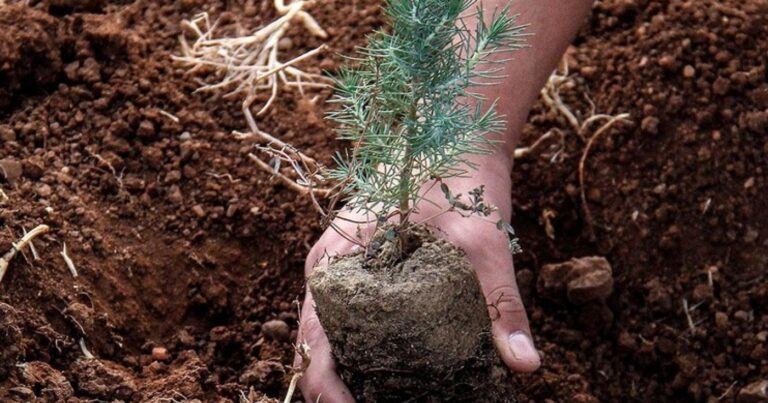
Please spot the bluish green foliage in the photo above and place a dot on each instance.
(407, 106)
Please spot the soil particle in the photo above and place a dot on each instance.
(51, 383)
(263, 375)
(186, 376)
(103, 379)
(276, 329)
(160, 354)
(756, 392)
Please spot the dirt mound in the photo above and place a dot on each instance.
(30, 50)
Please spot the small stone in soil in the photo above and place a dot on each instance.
(276, 330)
(198, 211)
(721, 320)
(582, 280)
(756, 392)
(44, 190)
(160, 354)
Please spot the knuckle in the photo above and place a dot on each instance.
(505, 299)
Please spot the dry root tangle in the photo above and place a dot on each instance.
(248, 65)
(550, 94)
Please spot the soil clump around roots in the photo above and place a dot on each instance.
(414, 329)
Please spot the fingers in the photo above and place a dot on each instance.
(320, 381)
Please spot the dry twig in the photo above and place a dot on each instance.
(16, 247)
(68, 260)
(35, 256)
(84, 349)
(303, 350)
(525, 151)
(691, 325)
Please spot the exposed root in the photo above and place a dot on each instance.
(169, 115)
(551, 96)
(522, 152)
(68, 260)
(16, 247)
(624, 117)
(86, 353)
(3, 196)
(32, 249)
(250, 64)
(302, 186)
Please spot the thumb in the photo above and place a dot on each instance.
(510, 329)
(320, 381)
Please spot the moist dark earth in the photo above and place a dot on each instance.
(190, 257)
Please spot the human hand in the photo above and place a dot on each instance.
(487, 249)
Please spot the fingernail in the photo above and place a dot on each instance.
(522, 348)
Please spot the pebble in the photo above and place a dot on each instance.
(160, 354)
(721, 320)
(198, 210)
(174, 195)
(667, 62)
(650, 125)
(756, 392)
(285, 43)
(689, 71)
(741, 315)
(44, 190)
(276, 330)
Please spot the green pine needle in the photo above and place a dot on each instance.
(407, 107)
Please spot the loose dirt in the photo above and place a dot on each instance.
(182, 244)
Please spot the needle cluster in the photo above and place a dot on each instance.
(407, 106)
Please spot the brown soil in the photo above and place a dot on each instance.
(181, 243)
(416, 328)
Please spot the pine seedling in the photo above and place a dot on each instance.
(408, 108)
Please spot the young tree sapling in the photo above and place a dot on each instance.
(406, 315)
